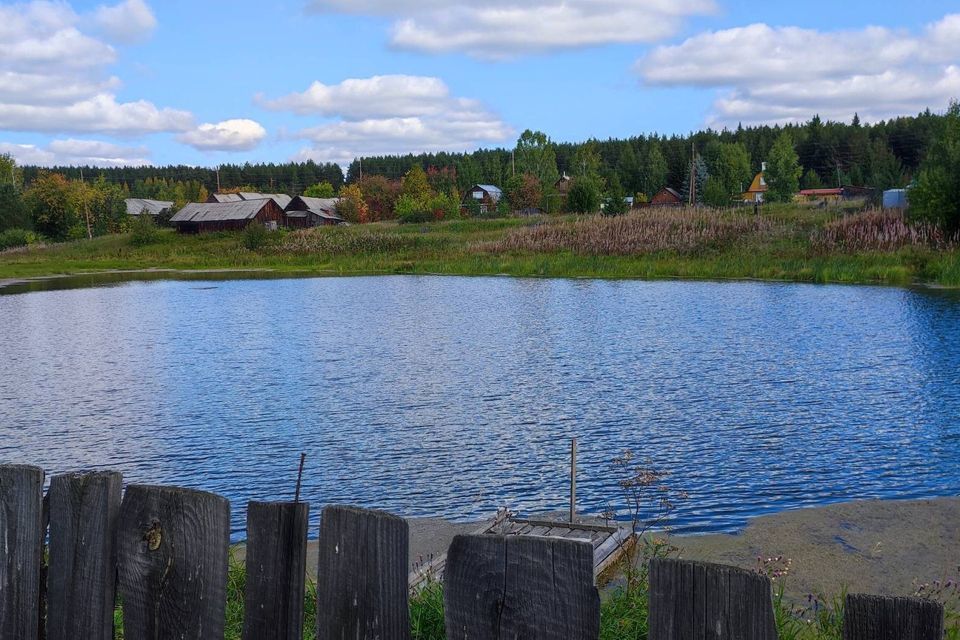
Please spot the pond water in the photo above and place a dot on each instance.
(443, 396)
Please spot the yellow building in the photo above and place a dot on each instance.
(757, 188)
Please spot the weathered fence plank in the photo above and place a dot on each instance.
(276, 570)
(701, 601)
(499, 587)
(882, 618)
(81, 580)
(362, 575)
(173, 545)
(21, 554)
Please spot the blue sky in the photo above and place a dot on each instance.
(179, 81)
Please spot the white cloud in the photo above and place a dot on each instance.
(100, 113)
(129, 21)
(498, 29)
(390, 114)
(37, 88)
(77, 152)
(53, 75)
(359, 98)
(229, 135)
(787, 74)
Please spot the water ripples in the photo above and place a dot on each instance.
(450, 397)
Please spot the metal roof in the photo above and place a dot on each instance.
(281, 199)
(212, 211)
(136, 206)
(226, 197)
(494, 191)
(318, 204)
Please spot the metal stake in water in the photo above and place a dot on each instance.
(573, 479)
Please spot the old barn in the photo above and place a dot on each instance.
(304, 211)
(666, 197)
(199, 217)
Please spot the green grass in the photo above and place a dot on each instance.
(781, 251)
(623, 612)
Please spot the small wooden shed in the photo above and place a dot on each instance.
(199, 217)
(666, 197)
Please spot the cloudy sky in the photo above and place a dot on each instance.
(183, 81)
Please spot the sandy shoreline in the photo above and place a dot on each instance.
(871, 546)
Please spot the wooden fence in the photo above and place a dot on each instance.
(164, 552)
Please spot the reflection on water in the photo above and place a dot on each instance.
(452, 396)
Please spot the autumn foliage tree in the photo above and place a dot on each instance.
(351, 206)
(52, 205)
(524, 192)
(380, 194)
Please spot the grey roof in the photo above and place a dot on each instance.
(319, 204)
(212, 211)
(329, 214)
(674, 193)
(136, 206)
(226, 197)
(281, 199)
(494, 192)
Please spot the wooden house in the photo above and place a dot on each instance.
(757, 188)
(666, 197)
(486, 196)
(304, 211)
(199, 217)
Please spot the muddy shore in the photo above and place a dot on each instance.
(871, 546)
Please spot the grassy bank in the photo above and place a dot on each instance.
(623, 610)
(786, 243)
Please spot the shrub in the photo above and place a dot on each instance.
(143, 230)
(15, 238)
(254, 236)
(413, 210)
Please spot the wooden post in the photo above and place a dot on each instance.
(883, 618)
(701, 601)
(500, 587)
(173, 545)
(21, 553)
(362, 575)
(81, 579)
(573, 480)
(276, 570)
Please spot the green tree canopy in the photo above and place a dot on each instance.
(783, 170)
(729, 164)
(534, 154)
(936, 196)
(584, 195)
(320, 190)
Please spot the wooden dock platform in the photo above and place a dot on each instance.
(609, 542)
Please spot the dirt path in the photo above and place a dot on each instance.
(875, 546)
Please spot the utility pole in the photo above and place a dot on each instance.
(693, 174)
(86, 209)
(218, 178)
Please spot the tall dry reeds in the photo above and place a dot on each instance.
(879, 231)
(651, 231)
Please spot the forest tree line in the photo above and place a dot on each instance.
(65, 202)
